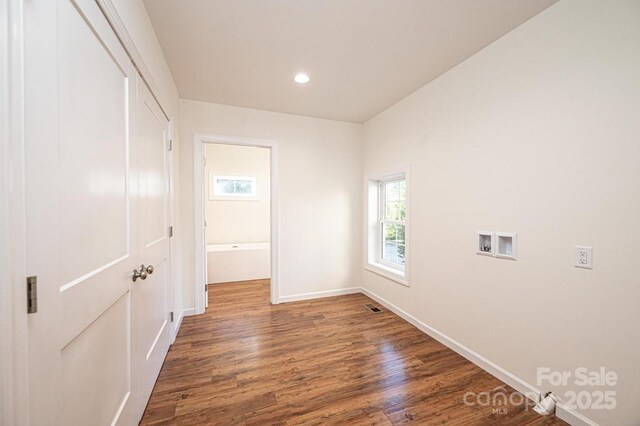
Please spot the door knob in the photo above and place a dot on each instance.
(142, 274)
(149, 269)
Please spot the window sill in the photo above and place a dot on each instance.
(232, 198)
(387, 272)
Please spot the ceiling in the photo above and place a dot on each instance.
(362, 55)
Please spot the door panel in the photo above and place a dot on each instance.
(79, 220)
(104, 344)
(93, 179)
(150, 297)
(93, 151)
(153, 183)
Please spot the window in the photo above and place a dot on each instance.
(387, 226)
(232, 187)
(393, 196)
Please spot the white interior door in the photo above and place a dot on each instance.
(97, 195)
(151, 329)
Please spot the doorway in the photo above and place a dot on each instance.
(235, 215)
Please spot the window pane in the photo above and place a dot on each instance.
(388, 232)
(225, 186)
(394, 210)
(243, 187)
(395, 194)
(234, 186)
(391, 191)
(393, 253)
(393, 243)
(401, 253)
(400, 234)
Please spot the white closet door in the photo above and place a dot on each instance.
(97, 195)
(151, 330)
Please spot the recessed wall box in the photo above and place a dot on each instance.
(507, 244)
(486, 243)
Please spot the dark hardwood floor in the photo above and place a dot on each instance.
(324, 361)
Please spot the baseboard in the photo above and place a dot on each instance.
(319, 294)
(493, 369)
(178, 322)
(241, 281)
(572, 417)
(562, 412)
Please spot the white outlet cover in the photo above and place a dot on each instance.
(583, 257)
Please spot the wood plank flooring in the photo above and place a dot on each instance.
(324, 361)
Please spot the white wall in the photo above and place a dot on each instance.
(319, 199)
(231, 220)
(536, 134)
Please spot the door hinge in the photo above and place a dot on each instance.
(171, 316)
(204, 161)
(170, 231)
(170, 145)
(32, 294)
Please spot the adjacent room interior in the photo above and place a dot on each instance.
(319, 212)
(237, 215)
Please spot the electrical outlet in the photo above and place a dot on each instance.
(583, 257)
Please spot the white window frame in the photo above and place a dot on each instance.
(374, 228)
(214, 194)
(382, 221)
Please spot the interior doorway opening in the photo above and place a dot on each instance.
(237, 214)
(236, 218)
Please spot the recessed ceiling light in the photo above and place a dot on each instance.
(301, 78)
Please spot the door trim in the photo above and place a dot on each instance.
(13, 313)
(199, 216)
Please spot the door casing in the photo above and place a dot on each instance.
(13, 300)
(199, 214)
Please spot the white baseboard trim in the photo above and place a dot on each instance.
(572, 417)
(183, 313)
(562, 412)
(319, 294)
(493, 369)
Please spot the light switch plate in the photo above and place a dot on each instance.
(583, 257)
